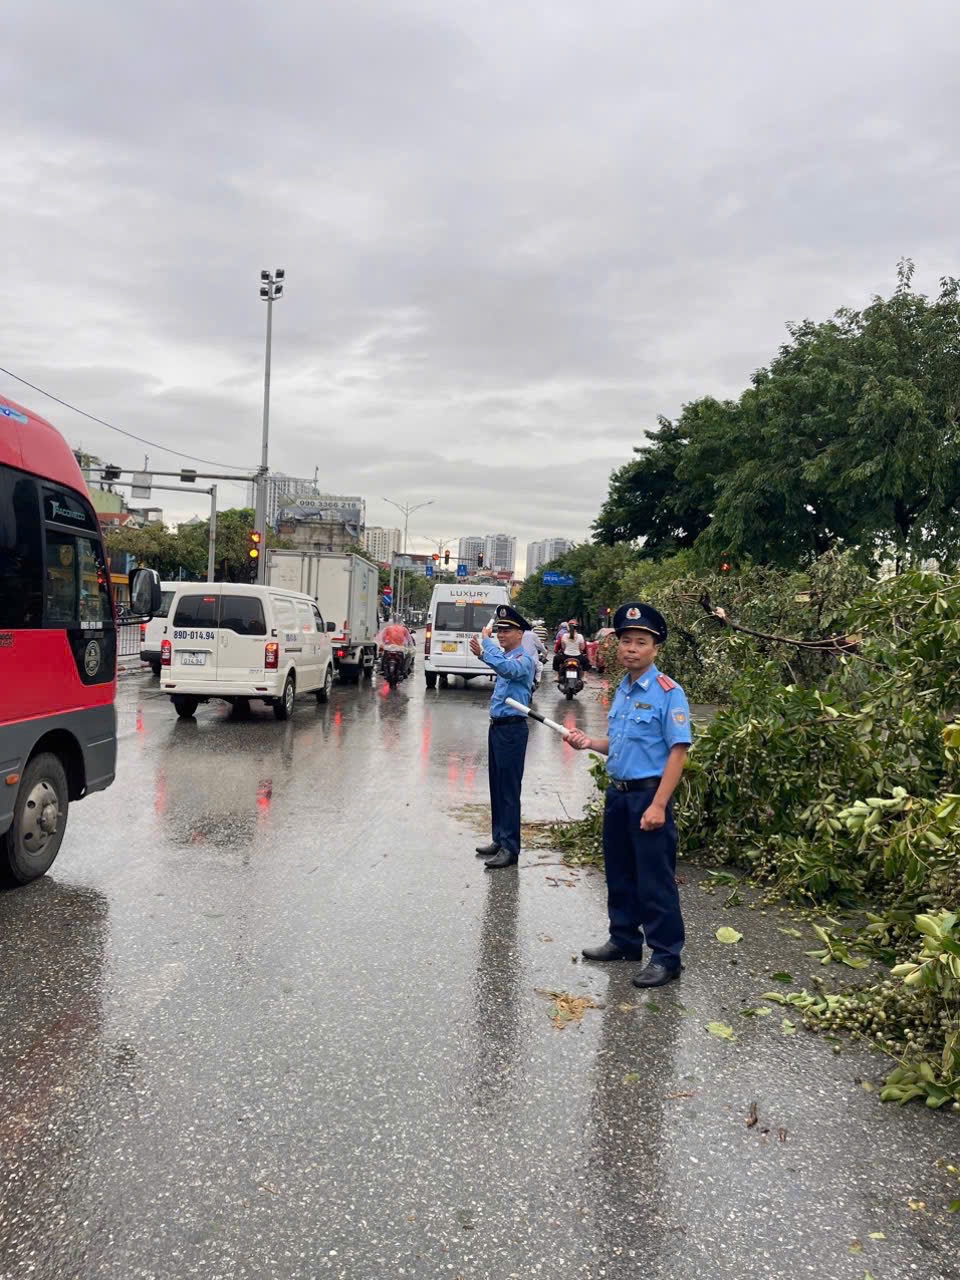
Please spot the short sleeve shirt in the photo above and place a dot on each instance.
(647, 718)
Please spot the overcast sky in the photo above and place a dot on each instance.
(514, 232)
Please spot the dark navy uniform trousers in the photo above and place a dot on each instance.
(642, 897)
(506, 751)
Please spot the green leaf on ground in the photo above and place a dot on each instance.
(791, 933)
(728, 935)
(788, 1028)
(720, 1030)
(632, 1077)
(953, 1206)
(877, 1235)
(785, 978)
(761, 1012)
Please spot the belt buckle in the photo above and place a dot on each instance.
(620, 784)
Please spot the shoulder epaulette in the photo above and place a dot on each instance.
(665, 683)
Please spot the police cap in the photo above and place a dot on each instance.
(506, 617)
(640, 617)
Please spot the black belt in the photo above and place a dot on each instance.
(506, 719)
(634, 784)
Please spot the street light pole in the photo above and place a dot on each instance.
(271, 288)
(406, 510)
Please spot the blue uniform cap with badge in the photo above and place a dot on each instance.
(506, 618)
(640, 617)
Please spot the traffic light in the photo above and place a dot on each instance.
(479, 559)
(436, 556)
(446, 558)
(254, 539)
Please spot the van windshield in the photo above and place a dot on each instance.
(164, 609)
(451, 615)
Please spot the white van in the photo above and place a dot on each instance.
(456, 615)
(151, 633)
(234, 642)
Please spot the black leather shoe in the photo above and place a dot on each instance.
(655, 975)
(488, 850)
(503, 859)
(610, 951)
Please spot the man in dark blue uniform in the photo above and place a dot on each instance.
(507, 739)
(649, 735)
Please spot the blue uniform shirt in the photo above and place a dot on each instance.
(644, 722)
(514, 677)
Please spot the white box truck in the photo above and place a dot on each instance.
(346, 589)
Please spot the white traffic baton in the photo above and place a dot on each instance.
(535, 715)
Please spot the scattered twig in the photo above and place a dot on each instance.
(752, 1115)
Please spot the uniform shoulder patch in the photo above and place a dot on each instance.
(666, 683)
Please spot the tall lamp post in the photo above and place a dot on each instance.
(271, 288)
(406, 510)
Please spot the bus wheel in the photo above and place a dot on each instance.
(431, 679)
(28, 849)
(184, 706)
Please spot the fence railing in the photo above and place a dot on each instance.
(128, 640)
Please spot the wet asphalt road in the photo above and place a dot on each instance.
(269, 1017)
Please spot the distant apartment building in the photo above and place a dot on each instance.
(469, 552)
(545, 551)
(500, 553)
(282, 491)
(382, 544)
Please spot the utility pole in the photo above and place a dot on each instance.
(212, 535)
(271, 288)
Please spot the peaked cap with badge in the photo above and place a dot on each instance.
(506, 617)
(640, 617)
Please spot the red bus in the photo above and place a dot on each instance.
(58, 643)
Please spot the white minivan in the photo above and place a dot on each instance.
(456, 614)
(238, 643)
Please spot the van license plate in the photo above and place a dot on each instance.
(448, 646)
(193, 659)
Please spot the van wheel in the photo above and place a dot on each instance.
(184, 706)
(323, 693)
(444, 682)
(39, 820)
(368, 671)
(283, 707)
(431, 679)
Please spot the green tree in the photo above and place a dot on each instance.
(848, 439)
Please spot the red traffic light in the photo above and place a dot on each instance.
(436, 556)
(446, 557)
(255, 539)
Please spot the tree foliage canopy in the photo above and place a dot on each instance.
(849, 439)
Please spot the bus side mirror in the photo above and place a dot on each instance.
(145, 592)
(331, 626)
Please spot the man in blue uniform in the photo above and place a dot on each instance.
(649, 735)
(507, 739)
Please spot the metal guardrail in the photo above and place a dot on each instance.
(128, 640)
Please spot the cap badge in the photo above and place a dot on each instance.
(502, 611)
(633, 613)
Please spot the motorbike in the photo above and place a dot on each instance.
(395, 666)
(569, 677)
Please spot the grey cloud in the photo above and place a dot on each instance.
(500, 224)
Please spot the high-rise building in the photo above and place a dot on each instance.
(500, 553)
(382, 544)
(545, 551)
(282, 491)
(469, 552)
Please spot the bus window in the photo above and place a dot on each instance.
(21, 555)
(76, 583)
